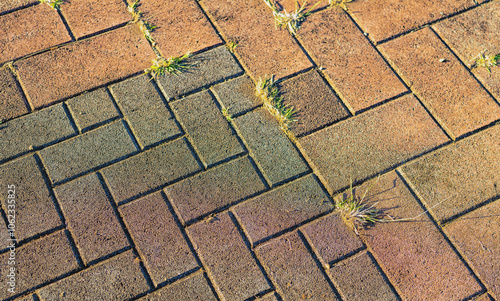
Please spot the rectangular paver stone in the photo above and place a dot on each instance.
(234, 272)
(214, 189)
(212, 137)
(90, 218)
(119, 278)
(371, 142)
(150, 120)
(87, 151)
(237, 95)
(158, 238)
(12, 102)
(151, 169)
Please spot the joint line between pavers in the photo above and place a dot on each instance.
(68, 28)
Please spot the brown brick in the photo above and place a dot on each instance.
(453, 96)
(158, 238)
(235, 274)
(12, 102)
(30, 30)
(13, 4)
(80, 66)
(354, 68)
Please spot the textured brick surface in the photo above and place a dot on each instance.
(26, 298)
(12, 102)
(268, 297)
(118, 278)
(315, 103)
(354, 68)
(212, 137)
(35, 211)
(158, 239)
(282, 208)
(88, 151)
(454, 97)
(371, 142)
(37, 129)
(13, 4)
(30, 30)
(294, 271)
(214, 189)
(150, 120)
(269, 146)
(92, 109)
(206, 68)
(262, 48)
(429, 268)
(150, 169)
(235, 274)
(360, 278)
(80, 66)
(90, 218)
(237, 95)
(463, 175)
(38, 262)
(85, 17)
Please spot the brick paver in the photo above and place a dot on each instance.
(26, 298)
(237, 95)
(157, 238)
(214, 189)
(90, 218)
(234, 272)
(118, 278)
(268, 297)
(66, 71)
(12, 102)
(87, 151)
(354, 68)
(7, 5)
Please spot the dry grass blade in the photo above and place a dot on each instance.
(267, 90)
(486, 61)
(53, 3)
(291, 21)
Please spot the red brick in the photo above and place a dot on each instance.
(401, 15)
(6, 5)
(181, 21)
(261, 47)
(30, 30)
(354, 68)
(453, 96)
(61, 73)
(193, 288)
(235, 274)
(294, 271)
(158, 238)
(416, 257)
(85, 17)
(12, 102)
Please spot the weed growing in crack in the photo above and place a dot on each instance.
(173, 65)
(267, 90)
(291, 21)
(231, 46)
(486, 61)
(226, 114)
(341, 3)
(53, 3)
(146, 29)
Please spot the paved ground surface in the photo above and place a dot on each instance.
(117, 186)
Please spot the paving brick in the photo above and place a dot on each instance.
(191, 30)
(149, 170)
(282, 208)
(12, 102)
(85, 17)
(268, 297)
(234, 272)
(462, 175)
(87, 151)
(30, 30)
(150, 120)
(158, 238)
(371, 142)
(490, 79)
(315, 103)
(331, 239)
(212, 137)
(484, 297)
(353, 67)
(35, 130)
(401, 16)
(289, 5)
(38, 262)
(360, 278)
(90, 218)
(476, 237)
(35, 211)
(415, 255)
(92, 109)
(69, 70)
(261, 47)
(119, 278)
(5, 235)
(206, 68)
(237, 95)
(7, 5)
(214, 189)
(193, 287)
(453, 96)
(27, 298)
(295, 273)
(269, 146)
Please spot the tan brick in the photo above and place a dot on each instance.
(12, 102)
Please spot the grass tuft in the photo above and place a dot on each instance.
(486, 61)
(231, 46)
(267, 90)
(173, 65)
(291, 21)
(226, 114)
(53, 3)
